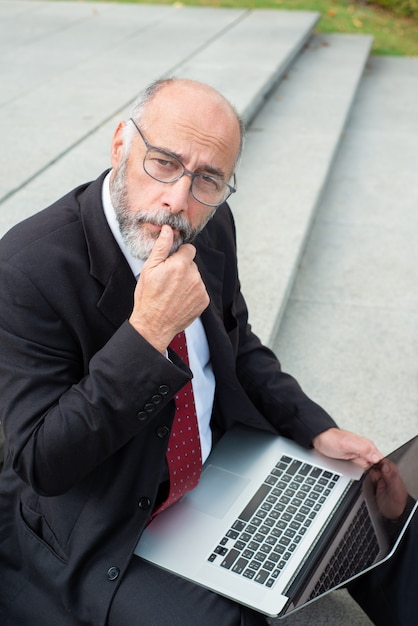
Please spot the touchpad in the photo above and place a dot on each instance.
(216, 491)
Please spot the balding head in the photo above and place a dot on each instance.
(202, 102)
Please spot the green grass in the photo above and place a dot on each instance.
(392, 35)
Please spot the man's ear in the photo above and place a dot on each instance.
(117, 148)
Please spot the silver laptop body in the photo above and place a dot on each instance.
(265, 521)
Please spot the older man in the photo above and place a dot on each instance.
(96, 293)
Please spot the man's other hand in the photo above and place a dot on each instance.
(343, 444)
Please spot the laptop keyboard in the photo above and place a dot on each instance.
(264, 536)
(357, 550)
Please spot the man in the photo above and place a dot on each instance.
(89, 382)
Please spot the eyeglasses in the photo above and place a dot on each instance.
(167, 168)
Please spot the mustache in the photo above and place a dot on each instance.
(175, 221)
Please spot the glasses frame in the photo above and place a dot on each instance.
(193, 175)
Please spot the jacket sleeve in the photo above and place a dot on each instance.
(276, 394)
(62, 422)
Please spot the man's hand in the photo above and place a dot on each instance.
(342, 444)
(390, 490)
(170, 293)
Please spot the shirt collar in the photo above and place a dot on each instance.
(134, 263)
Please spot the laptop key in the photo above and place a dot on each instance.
(284, 541)
(232, 534)
(238, 525)
(305, 469)
(248, 554)
(254, 503)
(294, 466)
(240, 565)
(262, 576)
(271, 480)
(230, 558)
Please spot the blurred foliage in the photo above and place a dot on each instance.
(406, 8)
(393, 33)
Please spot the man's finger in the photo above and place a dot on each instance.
(162, 246)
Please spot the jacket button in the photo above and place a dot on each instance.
(113, 573)
(163, 389)
(157, 399)
(149, 408)
(142, 415)
(163, 431)
(144, 503)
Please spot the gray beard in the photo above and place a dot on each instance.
(131, 223)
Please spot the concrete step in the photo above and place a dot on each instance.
(349, 333)
(289, 151)
(71, 69)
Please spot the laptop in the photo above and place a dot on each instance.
(274, 526)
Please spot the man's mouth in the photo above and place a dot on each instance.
(157, 229)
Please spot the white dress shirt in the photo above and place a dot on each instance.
(197, 346)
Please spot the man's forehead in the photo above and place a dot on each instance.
(191, 100)
(176, 124)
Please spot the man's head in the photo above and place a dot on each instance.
(173, 162)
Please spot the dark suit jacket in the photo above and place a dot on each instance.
(87, 404)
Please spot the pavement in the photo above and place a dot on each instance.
(349, 332)
(326, 205)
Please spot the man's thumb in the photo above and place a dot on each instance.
(162, 246)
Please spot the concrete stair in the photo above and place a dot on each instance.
(64, 98)
(290, 149)
(326, 204)
(63, 101)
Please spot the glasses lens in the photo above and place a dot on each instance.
(166, 168)
(162, 166)
(209, 190)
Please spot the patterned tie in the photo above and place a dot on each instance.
(184, 455)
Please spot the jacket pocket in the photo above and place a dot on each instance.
(38, 530)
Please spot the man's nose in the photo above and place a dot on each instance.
(177, 195)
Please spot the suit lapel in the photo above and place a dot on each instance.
(107, 263)
(211, 266)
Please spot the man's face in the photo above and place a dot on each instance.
(140, 227)
(204, 144)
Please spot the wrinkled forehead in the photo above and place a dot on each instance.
(191, 119)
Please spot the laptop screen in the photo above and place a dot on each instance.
(375, 521)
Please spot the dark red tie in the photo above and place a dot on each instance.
(184, 456)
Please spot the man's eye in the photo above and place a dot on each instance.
(209, 182)
(165, 163)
